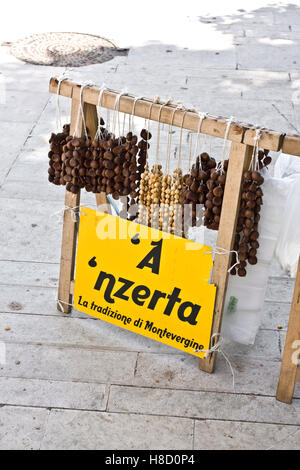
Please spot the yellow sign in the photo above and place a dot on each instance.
(144, 280)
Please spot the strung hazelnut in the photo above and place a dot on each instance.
(254, 244)
(247, 176)
(254, 235)
(208, 204)
(217, 201)
(214, 175)
(242, 272)
(146, 135)
(252, 253)
(210, 184)
(249, 223)
(221, 179)
(252, 260)
(243, 248)
(250, 204)
(203, 175)
(218, 191)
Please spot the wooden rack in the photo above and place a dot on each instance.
(242, 137)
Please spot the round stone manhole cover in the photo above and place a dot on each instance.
(64, 49)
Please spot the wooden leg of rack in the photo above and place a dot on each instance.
(240, 155)
(290, 372)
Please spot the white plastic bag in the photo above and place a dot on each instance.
(288, 244)
(286, 165)
(245, 295)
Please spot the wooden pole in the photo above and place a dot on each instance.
(212, 125)
(290, 372)
(240, 156)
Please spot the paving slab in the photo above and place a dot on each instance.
(30, 233)
(52, 394)
(204, 405)
(61, 363)
(228, 435)
(251, 375)
(78, 430)
(22, 428)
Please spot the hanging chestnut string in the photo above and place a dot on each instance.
(246, 238)
(56, 170)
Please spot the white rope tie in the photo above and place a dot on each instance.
(75, 211)
(99, 106)
(254, 159)
(223, 251)
(61, 302)
(217, 348)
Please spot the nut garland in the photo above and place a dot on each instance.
(246, 239)
(199, 185)
(164, 213)
(155, 187)
(73, 159)
(176, 222)
(106, 164)
(57, 141)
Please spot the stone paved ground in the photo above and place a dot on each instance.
(75, 382)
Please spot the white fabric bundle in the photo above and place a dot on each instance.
(288, 244)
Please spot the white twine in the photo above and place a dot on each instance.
(229, 122)
(131, 116)
(155, 101)
(202, 116)
(222, 251)
(180, 139)
(99, 106)
(75, 211)
(217, 348)
(254, 159)
(60, 79)
(179, 106)
(117, 112)
(80, 110)
(190, 150)
(169, 101)
(61, 302)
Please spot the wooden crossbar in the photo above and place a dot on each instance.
(213, 125)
